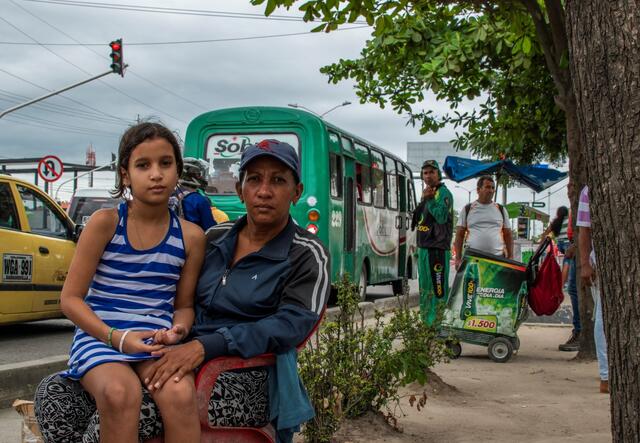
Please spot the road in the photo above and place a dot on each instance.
(34, 340)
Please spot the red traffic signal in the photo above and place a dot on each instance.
(117, 64)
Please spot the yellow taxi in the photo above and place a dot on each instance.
(37, 242)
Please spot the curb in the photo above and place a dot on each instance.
(384, 305)
(19, 380)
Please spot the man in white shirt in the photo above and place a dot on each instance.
(484, 224)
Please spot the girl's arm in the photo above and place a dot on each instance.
(194, 241)
(95, 237)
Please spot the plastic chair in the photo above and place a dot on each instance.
(205, 381)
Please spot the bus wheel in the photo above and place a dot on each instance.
(362, 283)
(400, 287)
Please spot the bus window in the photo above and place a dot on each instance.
(377, 178)
(411, 195)
(335, 171)
(347, 144)
(363, 183)
(334, 142)
(392, 183)
(223, 153)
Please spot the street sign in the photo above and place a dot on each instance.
(50, 168)
(538, 204)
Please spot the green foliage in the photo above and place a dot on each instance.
(459, 50)
(353, 366)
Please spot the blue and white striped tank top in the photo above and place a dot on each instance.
(131, 289)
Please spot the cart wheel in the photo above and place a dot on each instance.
(500, 350)
(455, 349)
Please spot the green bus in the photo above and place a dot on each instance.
(358, 198)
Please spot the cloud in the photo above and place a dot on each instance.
(193, 78)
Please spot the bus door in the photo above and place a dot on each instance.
(402, 224)
(349, 224)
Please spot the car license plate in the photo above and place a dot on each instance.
(17, 267)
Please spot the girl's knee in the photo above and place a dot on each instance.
(119, 396)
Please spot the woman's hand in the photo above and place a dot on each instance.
(134, 342)
(171, 336)
(175, 361)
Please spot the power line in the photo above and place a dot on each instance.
(177, 11)
(184, 42)
(88, 73)
(64, 97)
(104, 57)
(66, 110)
(30, 123)
(62, 125)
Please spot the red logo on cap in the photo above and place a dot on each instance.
(264, 145)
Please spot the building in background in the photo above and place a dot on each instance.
(418, 152)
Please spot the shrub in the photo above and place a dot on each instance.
(353, 366)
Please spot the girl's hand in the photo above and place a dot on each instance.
(172, 336)
(134, 342)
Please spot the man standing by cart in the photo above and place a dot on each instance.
(434, 220)
(484, 224)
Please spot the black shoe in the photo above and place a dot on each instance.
(573, 344)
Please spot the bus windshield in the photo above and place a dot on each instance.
(223, 153)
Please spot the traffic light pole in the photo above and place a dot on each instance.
(36, 100)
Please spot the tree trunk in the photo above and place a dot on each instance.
(578, 178)
(604, 48)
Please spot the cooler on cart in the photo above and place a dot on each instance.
(487, 303)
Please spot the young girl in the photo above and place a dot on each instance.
(130, 291)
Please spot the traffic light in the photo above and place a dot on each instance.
(117, 63)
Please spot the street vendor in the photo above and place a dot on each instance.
(484, 224)
(434, 220)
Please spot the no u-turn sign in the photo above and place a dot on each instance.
(50, 168)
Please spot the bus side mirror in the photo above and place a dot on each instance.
(77, 230)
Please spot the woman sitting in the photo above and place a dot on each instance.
(263, 284)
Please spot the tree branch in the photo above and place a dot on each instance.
(550, 51)
(555, 12)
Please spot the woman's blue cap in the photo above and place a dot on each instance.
(272, 148)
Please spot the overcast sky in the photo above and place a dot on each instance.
(175, 83)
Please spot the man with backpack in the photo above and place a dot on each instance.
(434, 220)
(484, 224)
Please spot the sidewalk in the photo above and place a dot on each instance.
(541, 395)
(10, 423)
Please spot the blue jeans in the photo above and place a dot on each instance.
(573, 293)
(598, 335)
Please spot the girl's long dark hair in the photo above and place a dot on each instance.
(556, 224)
(135, 135)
